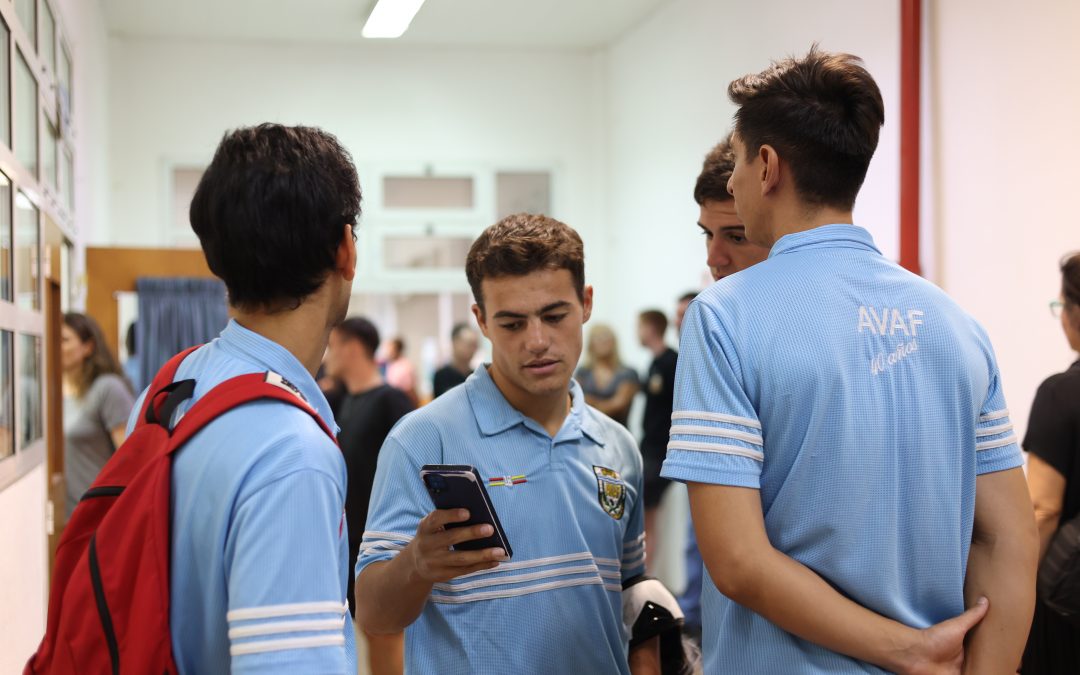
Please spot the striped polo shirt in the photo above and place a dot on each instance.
(571, 509)
(259, 556)
(862, 402)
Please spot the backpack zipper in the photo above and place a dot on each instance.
(102, 605)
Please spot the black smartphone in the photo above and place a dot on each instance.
(459, 486)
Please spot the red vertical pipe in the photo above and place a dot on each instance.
(910, 109)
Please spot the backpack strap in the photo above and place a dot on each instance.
(236, 392)
(162, 380)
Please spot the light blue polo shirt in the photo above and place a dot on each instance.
(862, 402)
(260, 552)
(571, 508)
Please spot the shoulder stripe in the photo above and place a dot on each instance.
(993, 431)
(999, 443)
(289, 643)
(272, 627)
(996, 415)
(715, 417)
(295, 609)
(718, 448)
(716, 432)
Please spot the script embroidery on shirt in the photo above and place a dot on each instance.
(892, 322)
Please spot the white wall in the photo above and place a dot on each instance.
(667, 106)
(23, 565)
(1005, 97)
(387, 103)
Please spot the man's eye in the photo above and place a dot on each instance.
(736, 238)
(706, 234)
(513, 325)
(554, 318)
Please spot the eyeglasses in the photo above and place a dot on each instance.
(1055, 308)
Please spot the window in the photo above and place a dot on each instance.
(7, 401)
(26, 117)
(427, 192)
(5, 239)
(27, 13)
(425, 252)
(48, 160)
(47, 48)
(68, 186)
(5, 84)
(522, 192)
(30, 389)
(27, 252)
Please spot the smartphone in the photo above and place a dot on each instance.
(459, 486)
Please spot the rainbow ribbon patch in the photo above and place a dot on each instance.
(506, 481)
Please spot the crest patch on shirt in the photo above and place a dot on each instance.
(611, 491)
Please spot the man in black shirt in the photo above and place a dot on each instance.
(659, 388)
(464, 342)
(368, 411)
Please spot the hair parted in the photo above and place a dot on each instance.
(523, 243)
(712, 182)
(270, 212)
(822, 114)
(360, 329)
(100, 361)
(656, 319)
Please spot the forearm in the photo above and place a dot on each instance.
(796, 599)
(389, 595)
(1047, 524)
(1003, 571)
(645, 658)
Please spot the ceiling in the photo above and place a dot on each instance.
(554, 24)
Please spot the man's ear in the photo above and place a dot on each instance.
(481, 320)
(586, 303)
(770, 169)
(345, 257)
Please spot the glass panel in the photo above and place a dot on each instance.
(30, 388)
(427, 192)
(48, 160)
(27, 16)
(26, 117)
(414, 253)
(7, 396)
(5, 239)
(65, 84)
(68, 187)
(27, 238)
(5, 84)
(519, 192)
(47, 48)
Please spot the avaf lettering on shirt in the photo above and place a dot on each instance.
(891, 322)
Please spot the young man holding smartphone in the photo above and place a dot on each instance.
(564, 479)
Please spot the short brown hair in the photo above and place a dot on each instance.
(821, 113)
(1070, 280)
(524, 243)
(715, 172)
(656, 319)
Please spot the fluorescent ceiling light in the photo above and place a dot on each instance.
(391, 18)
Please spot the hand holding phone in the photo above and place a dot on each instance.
(430, 555)
(456, 486)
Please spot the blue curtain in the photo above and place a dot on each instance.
(174, 314)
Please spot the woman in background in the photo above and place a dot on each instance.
(1053, 441)
(609, 386)
(97, 402)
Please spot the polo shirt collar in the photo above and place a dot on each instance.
(826, 236)
(269, 355)
(494, 414)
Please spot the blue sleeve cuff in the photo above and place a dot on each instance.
(731, 470)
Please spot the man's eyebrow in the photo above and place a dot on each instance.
(732, 228)
(507, 314)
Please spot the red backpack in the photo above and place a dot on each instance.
(109, 600)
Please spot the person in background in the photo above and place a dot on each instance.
(684, 302)
(366, 414)
(1053, 443)
(97, 402)
(609, 386)
(464, 341)
(400, 372)
(727, 251)
(659, 395)
(133, 363)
